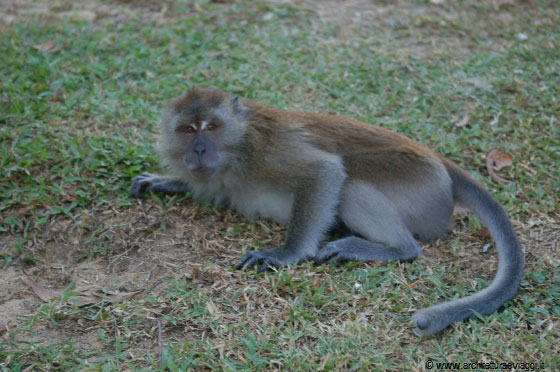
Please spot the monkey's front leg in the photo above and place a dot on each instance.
(155, 183)
(313, 213)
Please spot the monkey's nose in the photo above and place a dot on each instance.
(199, 149)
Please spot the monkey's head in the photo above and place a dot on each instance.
(200, 131)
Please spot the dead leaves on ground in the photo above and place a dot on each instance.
(464, 121)
(510, 3)
(497, 160)
(499, 4)
(49, 47)
(79, 297)
(45, 47)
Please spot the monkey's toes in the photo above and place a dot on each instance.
(252, 259)
(329, 253)
(247, 261)
(263, 260)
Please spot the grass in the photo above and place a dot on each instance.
(77, 122)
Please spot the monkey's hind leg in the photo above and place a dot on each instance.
(370, 214)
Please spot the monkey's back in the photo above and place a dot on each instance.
(335, 134)
(368, 151)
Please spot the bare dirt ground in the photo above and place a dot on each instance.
(198, 244)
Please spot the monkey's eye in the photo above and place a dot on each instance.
(186, 129)
(211, 127)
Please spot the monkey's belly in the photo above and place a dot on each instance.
(263, 203)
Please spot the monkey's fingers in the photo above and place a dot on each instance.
(139, 183)
(136, 188)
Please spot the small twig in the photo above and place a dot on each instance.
(159, 342)
(122, 255)
(117, 257)
(117, 332)
(148, 275)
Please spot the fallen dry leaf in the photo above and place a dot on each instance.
(483, 233)
(212, 309)
(44, 293)
(500, 159)
(44, 47)
(85, 296)
(497, 160)
(90, 296)
(464, 121)
(501, 2)
(24, 211)
(507, 3)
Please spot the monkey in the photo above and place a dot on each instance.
(314, 172)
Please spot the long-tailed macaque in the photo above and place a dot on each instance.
(312, 171)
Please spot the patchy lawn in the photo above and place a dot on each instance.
(82, 85)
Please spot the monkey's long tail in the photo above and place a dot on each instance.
(510, 259)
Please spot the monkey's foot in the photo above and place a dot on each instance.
(357, 249)
(267, 258)
(332, 252)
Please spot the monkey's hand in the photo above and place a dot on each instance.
(267, 258)
(155, 183)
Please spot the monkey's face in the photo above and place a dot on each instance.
(200, 129)
(202, 157)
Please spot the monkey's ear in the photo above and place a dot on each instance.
(238, 106)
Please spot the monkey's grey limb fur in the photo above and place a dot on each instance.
(313, 213)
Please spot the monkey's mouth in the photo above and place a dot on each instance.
(203, 172)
